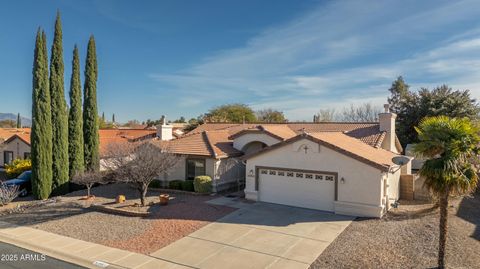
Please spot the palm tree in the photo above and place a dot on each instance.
(449, 145)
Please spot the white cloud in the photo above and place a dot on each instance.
(340, 53)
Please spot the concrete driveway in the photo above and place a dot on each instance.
(258, 235)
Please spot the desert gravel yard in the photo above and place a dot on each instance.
(68, 216)
(408, 238)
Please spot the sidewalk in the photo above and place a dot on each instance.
(79, 252)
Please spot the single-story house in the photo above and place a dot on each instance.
(339, 167)
(14, 144)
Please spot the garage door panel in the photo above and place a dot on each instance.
(302, 189)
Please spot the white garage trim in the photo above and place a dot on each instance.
(328, 173)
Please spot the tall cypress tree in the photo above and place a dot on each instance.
(41, 134)
(90, 113)
(75, 122)
(19, 121)
(59, 113)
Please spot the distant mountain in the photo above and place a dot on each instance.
(26, 122)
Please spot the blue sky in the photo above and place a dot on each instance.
(180, 58)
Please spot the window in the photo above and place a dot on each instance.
(309, 176)
(299, 175)
(273, 172)
(281, 173)
(263, 172)
(289, 174)
(329, 178)
(195, 167)
(7, 157)
(319, 177)
(26, 155)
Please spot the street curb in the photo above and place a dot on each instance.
(54, 253)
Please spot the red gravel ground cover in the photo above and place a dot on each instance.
(70, 216)
(181, 217)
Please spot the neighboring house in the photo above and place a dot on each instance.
(16, 142)
(344, 168)
(109, 136)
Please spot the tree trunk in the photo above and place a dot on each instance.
(143, 193)
(88, 190)
(443, 201)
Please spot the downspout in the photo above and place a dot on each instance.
(215, 175)
(385, 190)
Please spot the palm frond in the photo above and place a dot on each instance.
(449, 144)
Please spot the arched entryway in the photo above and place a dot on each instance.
(253, 147)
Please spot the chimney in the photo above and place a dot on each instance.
(164, 130)
(387, 124)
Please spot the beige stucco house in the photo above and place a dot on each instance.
(15, 144)
(341, 167)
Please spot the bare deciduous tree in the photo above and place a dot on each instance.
(362, 113)
(139, 163)
(7, 193)
(269, 115)
(324, 115)
(88, 179)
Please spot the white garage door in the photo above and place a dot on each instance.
(315, 190)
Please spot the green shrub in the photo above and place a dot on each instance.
(175, 184)
(155, 184)
(203, 184)
(187, 185)
(17, 167)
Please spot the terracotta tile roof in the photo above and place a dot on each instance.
(23, 136)
(23, 133)
(131, 134)
(224, 133)
(340, 142)
(106, 136)
(281, 130)
(217, 126)
(109, 136)
(367, 132)
(194, 144)
(215, 144)
(221, 144)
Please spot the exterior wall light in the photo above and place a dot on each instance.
(342, 180)
(251, 173)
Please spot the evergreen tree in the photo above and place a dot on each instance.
(75, 122)
(103, 116)
(399, 92)
(412, 106)
(113, 118)
(19, 121)
(41, 134)
(90, 114)
(59, 114)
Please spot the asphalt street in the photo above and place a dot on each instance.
(13, 257)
